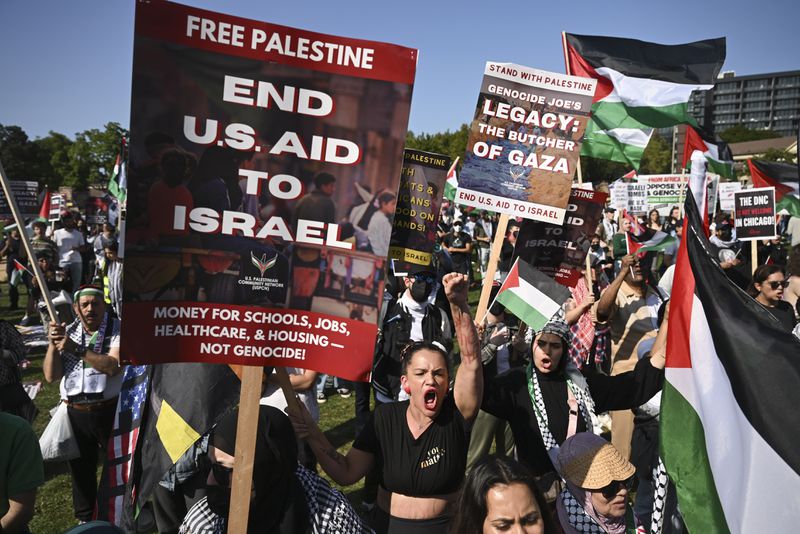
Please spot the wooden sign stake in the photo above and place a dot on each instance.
(494, 255)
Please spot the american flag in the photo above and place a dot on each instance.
(114, 494)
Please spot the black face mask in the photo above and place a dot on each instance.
(595, 246)
(420, 290)
(218, 499)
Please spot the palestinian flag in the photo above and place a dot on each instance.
(630, 175)
(641, 86)
(451, 184)
(719, 158)
(44, 211)
(783, 177)
(530, 295)
(118, 184)
(185, 401)
(20, 267)
(648, 240)
(729, 406)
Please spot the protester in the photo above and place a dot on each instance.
(13, 398)
(181, 487)
(608, 227)
(629, 307)
(70, 243)
(112, 277)
(459, 244)
(792, 292)
(22, 473)
(286, 498)
(84, 356)
(419, 445)
(500, 495)
(672, 220)
(57, 279)
(654, 220)
(482, 237)
(550, 400)
(410, 318)
(767, 288)
(507, 250)
(501, 348)
(599, 481)
(13, 252)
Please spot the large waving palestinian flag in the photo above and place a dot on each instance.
(729, 410)
(719, 157)
(784, 177)
(641, 86)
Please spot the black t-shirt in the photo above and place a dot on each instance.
(433, 464)
(458, 240)
(784, 313)
(506, 397)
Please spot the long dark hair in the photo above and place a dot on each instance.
(761, 273)
(485, 475)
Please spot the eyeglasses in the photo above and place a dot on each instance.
(611, 491)
(775, 285)
(222, 474)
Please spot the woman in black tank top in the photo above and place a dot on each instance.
(418, 446)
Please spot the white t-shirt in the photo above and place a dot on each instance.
(273, 396)
(66, 240)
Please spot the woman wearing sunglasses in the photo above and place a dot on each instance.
(769, 281)
(598, 481)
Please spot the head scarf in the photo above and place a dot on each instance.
(578, 446)
(274, 487)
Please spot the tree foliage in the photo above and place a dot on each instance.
(741, 133)
(453, 144)
(57, 160)
(657, 159)
(776, 154)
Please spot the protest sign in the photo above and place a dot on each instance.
(754, 213)
(619, 195)
(636, 198)
(525, 141)
(57, 204)
(27, 195)
(559, 251)
(663, 190)
(417, 214)
(254, 260)
(726, 191)
(96, 210)
(712, 183)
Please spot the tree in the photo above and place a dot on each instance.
(776, 154)
(453, 144)
(92, 156)
(18, 154)
(741, 133)
(55, 162)
(657, 157)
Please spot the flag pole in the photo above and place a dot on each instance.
(753, 255)
(23, 235)
(453, 166)
(494, 255)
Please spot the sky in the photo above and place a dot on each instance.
(66, 65)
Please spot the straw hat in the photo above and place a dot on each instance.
(592, 463)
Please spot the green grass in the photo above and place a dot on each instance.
(53, 512)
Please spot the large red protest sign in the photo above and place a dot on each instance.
(250, 143)
(559, 251)
(525, 142)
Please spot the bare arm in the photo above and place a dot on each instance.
(20, 512)
(576, 311)
(606, 304)
(658, 353)
(468, 388)
(53, 367)
(107, 364)
(344, 470)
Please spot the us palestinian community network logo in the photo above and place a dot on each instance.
(263, 264)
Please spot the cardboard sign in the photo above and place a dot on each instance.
(726, 191)
(417, 214)
(559, 251)
(27, 195)
(57, 205)
(525, 141)
(253, 259)
(754, 213)
(663, 190)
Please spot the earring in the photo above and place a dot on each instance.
(407, 389)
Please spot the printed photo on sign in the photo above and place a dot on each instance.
(525, 141)
(256, 154)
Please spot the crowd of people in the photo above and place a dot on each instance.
(570, 411)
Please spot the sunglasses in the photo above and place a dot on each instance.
(611, 491)
(776, 285)
(222, 474)
(424, 278)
